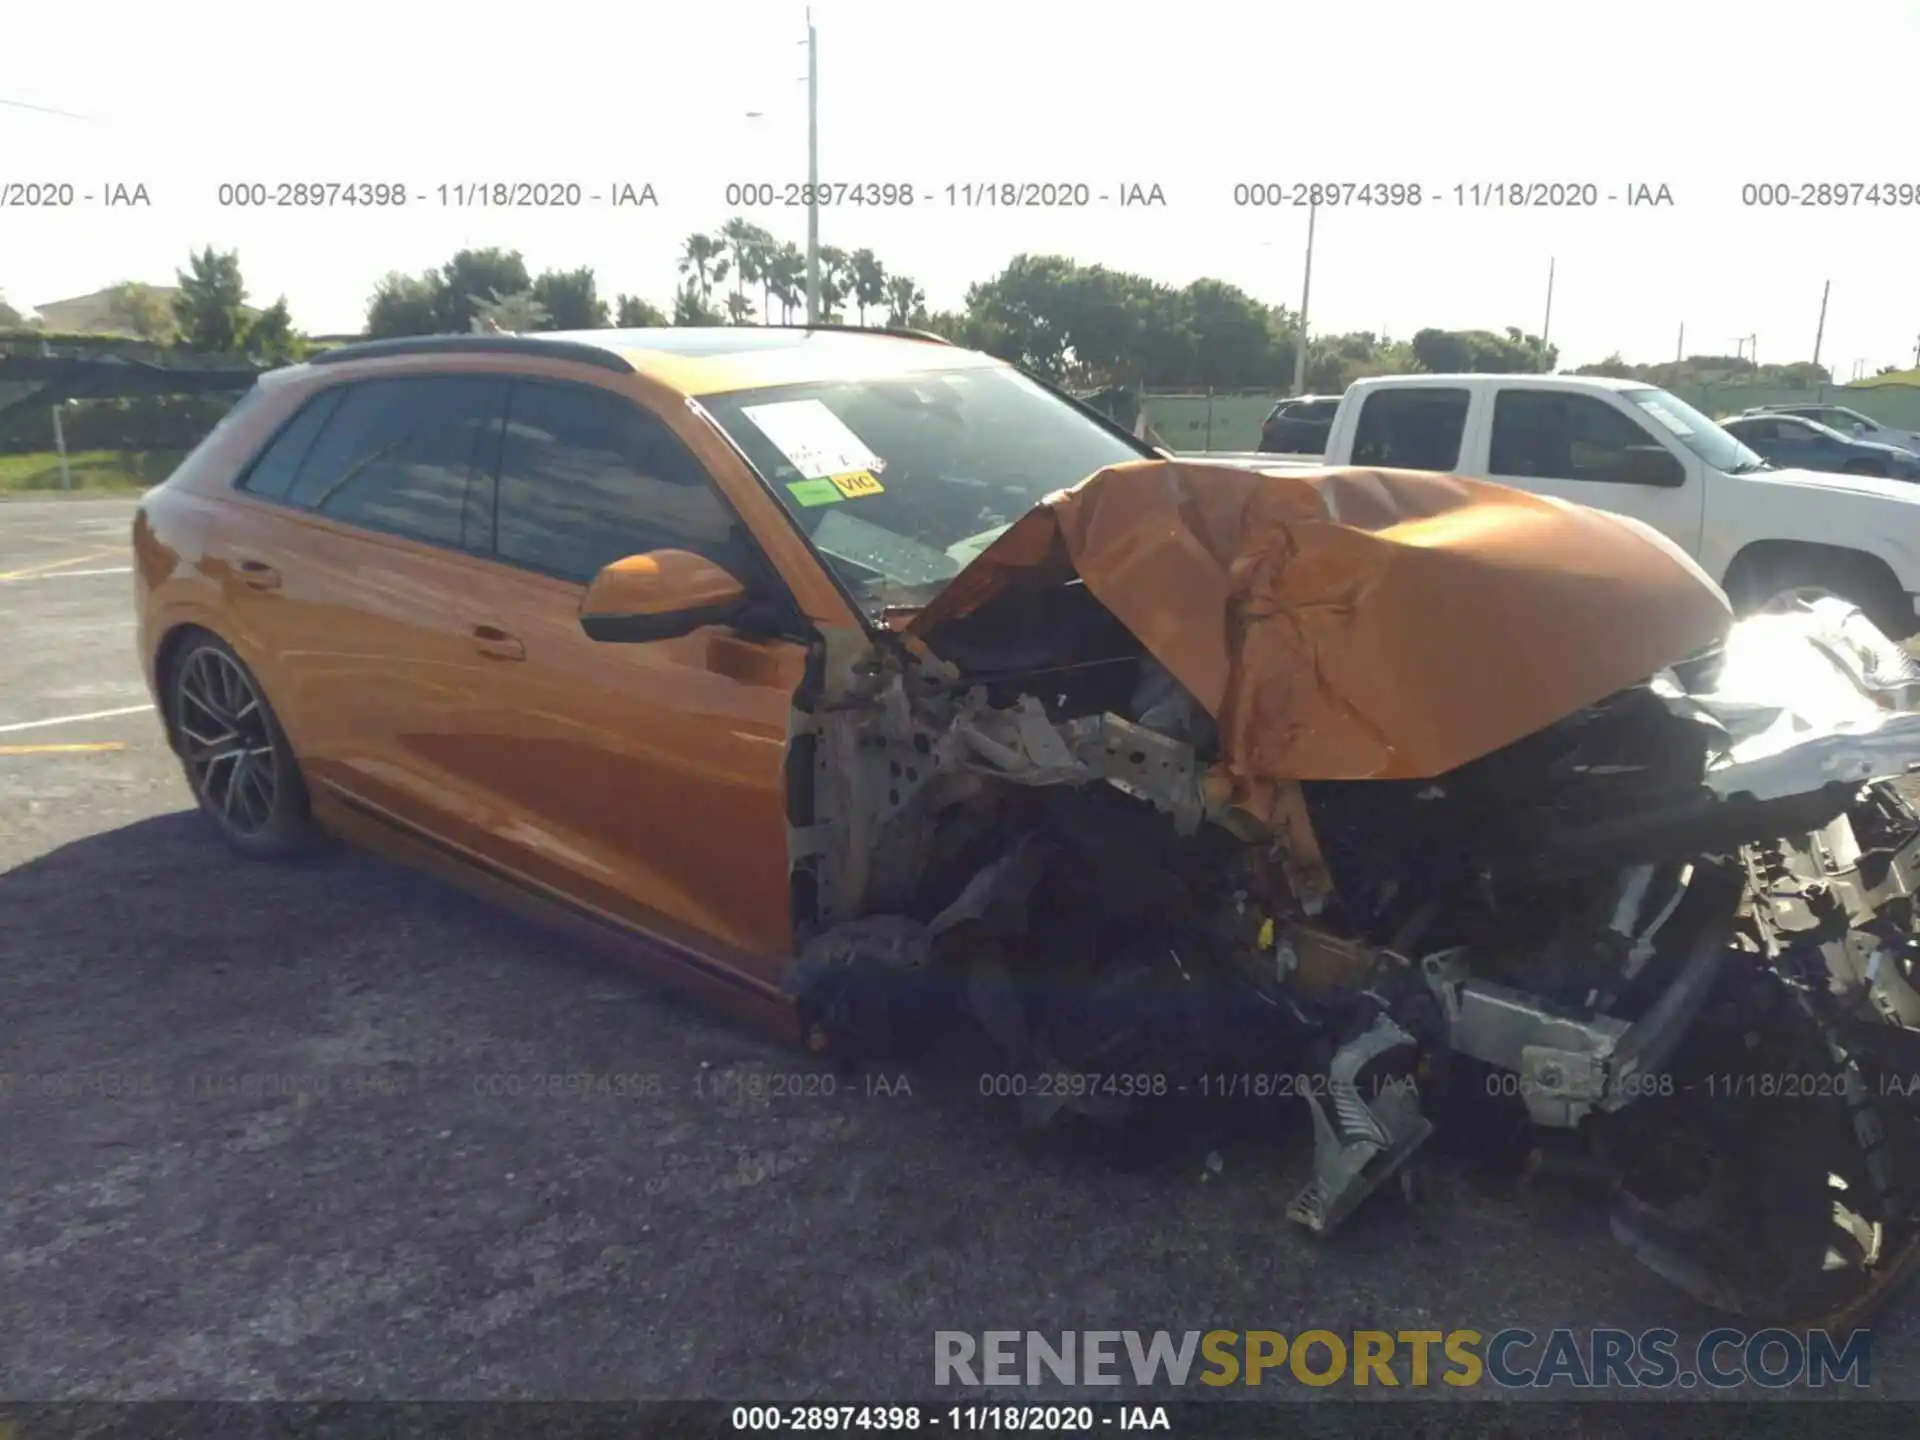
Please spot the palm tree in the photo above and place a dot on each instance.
(903, 298)
(869, 279)
(743, 240)
(703, 258)
(834, 263)
(786, 275)
(739, 308)
(514, 314)
(763, 249)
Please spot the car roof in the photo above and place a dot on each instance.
(1469, 379)
(706, 359)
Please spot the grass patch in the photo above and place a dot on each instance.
(95, 472)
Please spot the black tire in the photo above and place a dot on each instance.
(238, 763)
(1794, 1207)
(1755, 583)
(1871, 468)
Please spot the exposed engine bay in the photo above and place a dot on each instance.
(1134, 798)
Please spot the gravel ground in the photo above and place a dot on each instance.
(282, 1132)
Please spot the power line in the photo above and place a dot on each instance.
(43, 109)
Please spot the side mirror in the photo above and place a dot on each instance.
(1651, 465)
(659, 596)
(1858, 428)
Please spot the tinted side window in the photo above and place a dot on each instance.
(587, 478)
(274, 470)
(396, 456)
(1412, 429)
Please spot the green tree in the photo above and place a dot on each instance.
(836, 281)
(868, 281)
(905, 300)
(472, 278)
(141, 310)
(748, 247)
(571, 299)
(691, 306)
(1482, 352)
(407, 305)
(1613, 366)
(515, 314)
(703, 262)
(210, 310)
(10, 318)
(786, 279)
(633, 313)
(271, 338)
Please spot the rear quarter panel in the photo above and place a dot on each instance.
(179, 532)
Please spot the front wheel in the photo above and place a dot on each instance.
(1757, 584)
(236, 756)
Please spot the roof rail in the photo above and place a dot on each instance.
(476, 345)
(899, 331)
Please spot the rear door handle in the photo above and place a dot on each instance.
(259, 574)
(496, 644)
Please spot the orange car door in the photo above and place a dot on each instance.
(645, 783)
(360, 591)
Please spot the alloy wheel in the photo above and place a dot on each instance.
(227, 742)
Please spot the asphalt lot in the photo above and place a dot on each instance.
(260, 1139)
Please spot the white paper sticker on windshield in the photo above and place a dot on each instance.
(815, 441)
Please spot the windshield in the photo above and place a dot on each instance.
(1723, 451)
(900, 482)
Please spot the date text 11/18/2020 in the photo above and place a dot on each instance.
(1470, 195)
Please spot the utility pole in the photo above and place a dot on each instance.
(1820, 330)
(1680, 345)
(813, 173)
(1547, 323)
(1306, 290)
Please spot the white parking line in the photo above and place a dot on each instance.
(73, 719)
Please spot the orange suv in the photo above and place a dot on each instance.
(373, 601)
(888, 695)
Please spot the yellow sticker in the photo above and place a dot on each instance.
(855, 483)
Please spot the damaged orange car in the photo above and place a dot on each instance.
(891, 696)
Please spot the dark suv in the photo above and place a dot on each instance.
(1299, 426)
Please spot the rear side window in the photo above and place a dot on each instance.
(587, 477)
(1417, 428)
(273, 472)
(397, 456)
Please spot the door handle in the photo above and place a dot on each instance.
(259, 575)
(496, 644)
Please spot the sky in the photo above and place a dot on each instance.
(1701, 97)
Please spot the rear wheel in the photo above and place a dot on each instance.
(235, 754)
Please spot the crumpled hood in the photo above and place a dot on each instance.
(1358, 624)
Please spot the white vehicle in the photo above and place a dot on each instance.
(1624, 446)
(1847, 422)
